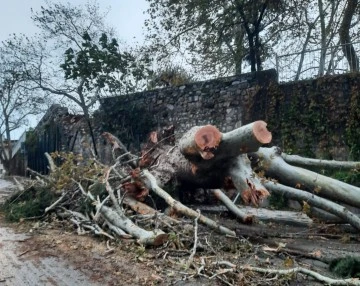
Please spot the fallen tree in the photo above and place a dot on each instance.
(114, 201)
(203, 158)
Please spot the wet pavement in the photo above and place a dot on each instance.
(16, 269)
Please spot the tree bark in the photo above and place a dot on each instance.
(318, 163)
(264, 215)
(275, 167)
(209, 143)
(316, 201)
(344, 33)
(156, 237)
(245, 218)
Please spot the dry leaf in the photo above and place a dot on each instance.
(156, 277)
(316, 253)
(288, 262)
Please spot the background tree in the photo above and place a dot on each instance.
(317, 27)
(345, 37)
(221, 38)
(17, 103)
(76, 59)
(170, 75)
(216, 37)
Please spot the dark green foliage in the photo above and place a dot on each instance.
(350, 177)
(218, 36)
(347, 267)
(27, 204)
(278, 201)
(170, 75)
(31, 140)
(97, 190)
(132, 123)
(102, 65)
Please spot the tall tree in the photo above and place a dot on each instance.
(312, 36)
(344, 33)
(17, 102)
(76, 57)
(218, 36)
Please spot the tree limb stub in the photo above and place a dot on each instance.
(209, 143)
(207, 140)
(247, 138)
(247, 182)
(245, 218)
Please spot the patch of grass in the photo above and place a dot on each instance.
(350, 177)
(347, 267)
(27, 204)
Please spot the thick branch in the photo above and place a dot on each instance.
(208, 142)
(316, 201)
(318, 163)
(156, 237)
(317, 276)
(183, 209)
(274, 166)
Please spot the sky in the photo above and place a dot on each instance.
(126, 16)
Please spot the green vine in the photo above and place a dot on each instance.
(315, 118)
(130, 122)
(353, 124)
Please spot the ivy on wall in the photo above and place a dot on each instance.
(353, 124)
(130, 122)
(314, 118)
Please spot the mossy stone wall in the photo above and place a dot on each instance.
(317, 118)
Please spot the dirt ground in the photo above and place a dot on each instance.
(50, 252)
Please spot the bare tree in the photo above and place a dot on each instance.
(345, 38)
(17, 103)
(75, 59)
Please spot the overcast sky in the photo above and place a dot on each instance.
(126, 16)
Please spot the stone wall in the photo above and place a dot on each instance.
(317, 118)
(217, 102)
(314, 118)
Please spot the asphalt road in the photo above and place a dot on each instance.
(17, 269)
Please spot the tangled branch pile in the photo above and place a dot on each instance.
(114, 201)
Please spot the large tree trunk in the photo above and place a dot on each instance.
(345, 39)
(207, 158)
(274, 166)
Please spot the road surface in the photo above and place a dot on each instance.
(18, 268)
